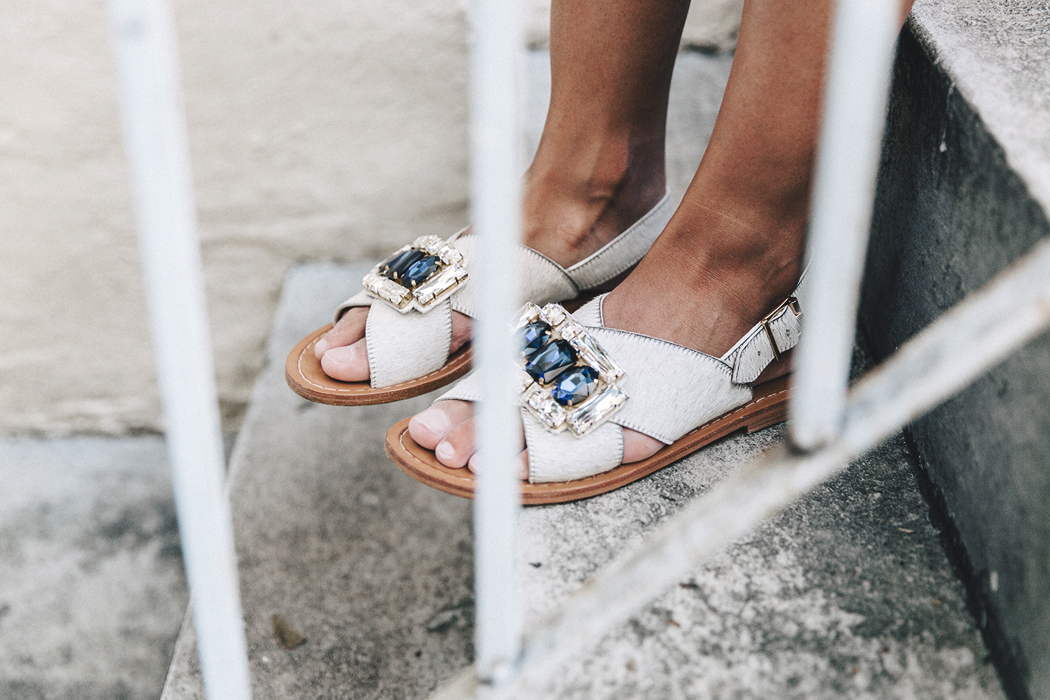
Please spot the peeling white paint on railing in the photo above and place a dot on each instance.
(960, 346)
(859, 69)
(496, 61)
(143, 38)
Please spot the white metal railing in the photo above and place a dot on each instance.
(144, 48)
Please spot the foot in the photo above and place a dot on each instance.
(566, 224)
(700, 291)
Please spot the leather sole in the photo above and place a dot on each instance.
(769, 406)
(304, 375)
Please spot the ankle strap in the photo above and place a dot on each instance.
(767, 340)
(623, 251)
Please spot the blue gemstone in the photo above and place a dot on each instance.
(532, 337)
(420, 271)
(395, 267)
(549, 361)
(572, 387)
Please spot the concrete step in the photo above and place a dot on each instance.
(92, 590)
(848, 593)
(964, 190)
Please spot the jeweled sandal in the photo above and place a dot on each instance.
(582, 383)
(409, 333)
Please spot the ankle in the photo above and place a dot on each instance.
(758, 261)
(708, 280)
(579, 201)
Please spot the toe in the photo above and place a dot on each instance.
(431, 426)
(638, 446)
(456, 449)
(348, 363)
(522, 465)
(349, 329)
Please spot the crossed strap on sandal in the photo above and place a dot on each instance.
(408, 339)
(682, 397)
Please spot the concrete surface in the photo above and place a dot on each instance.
(319, 131)
(964, 190)
(92, 590)
(847, 594)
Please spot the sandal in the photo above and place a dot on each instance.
(421, 285)
(577, 380)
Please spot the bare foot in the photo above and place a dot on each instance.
(685, 290)
(562, 222)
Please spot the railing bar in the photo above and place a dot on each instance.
(859, 70)
(143, 38)
(957, 348)
(495, 60)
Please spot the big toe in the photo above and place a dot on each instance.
(428, 428)
(348, 363)
(348, 330)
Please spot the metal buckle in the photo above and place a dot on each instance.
(605, 399)
(422, 295)
(789, 303)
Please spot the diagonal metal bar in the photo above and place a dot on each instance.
(859, 63)
(957, 348)
(143, 38)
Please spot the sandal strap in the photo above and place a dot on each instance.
(385, 334)
(539, 278)
(767, 340)
(541, 281)
(555, 457)
(621, 253)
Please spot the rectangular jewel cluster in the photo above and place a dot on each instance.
(606, 398)
(449, 274)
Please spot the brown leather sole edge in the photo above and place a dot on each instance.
(305, 377)
(768, 407)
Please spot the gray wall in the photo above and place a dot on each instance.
(950, 213)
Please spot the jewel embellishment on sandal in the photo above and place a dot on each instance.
(418, 276)
(568, 382)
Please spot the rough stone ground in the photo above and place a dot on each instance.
(848, 594)
(92, 589)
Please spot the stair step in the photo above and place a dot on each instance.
(850, 589)
(964, 190)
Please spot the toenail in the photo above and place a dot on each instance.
(445, 451)
(342, 356)
(322, 345)
(433, 420)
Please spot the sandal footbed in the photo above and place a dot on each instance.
(768, 407)
(303, 372)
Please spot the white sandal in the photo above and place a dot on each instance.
(421, 285)
(613, 379)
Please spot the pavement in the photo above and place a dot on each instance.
(92, 590)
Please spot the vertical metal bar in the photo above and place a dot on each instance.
(857, 91)
(143, 38)
(495, 62)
